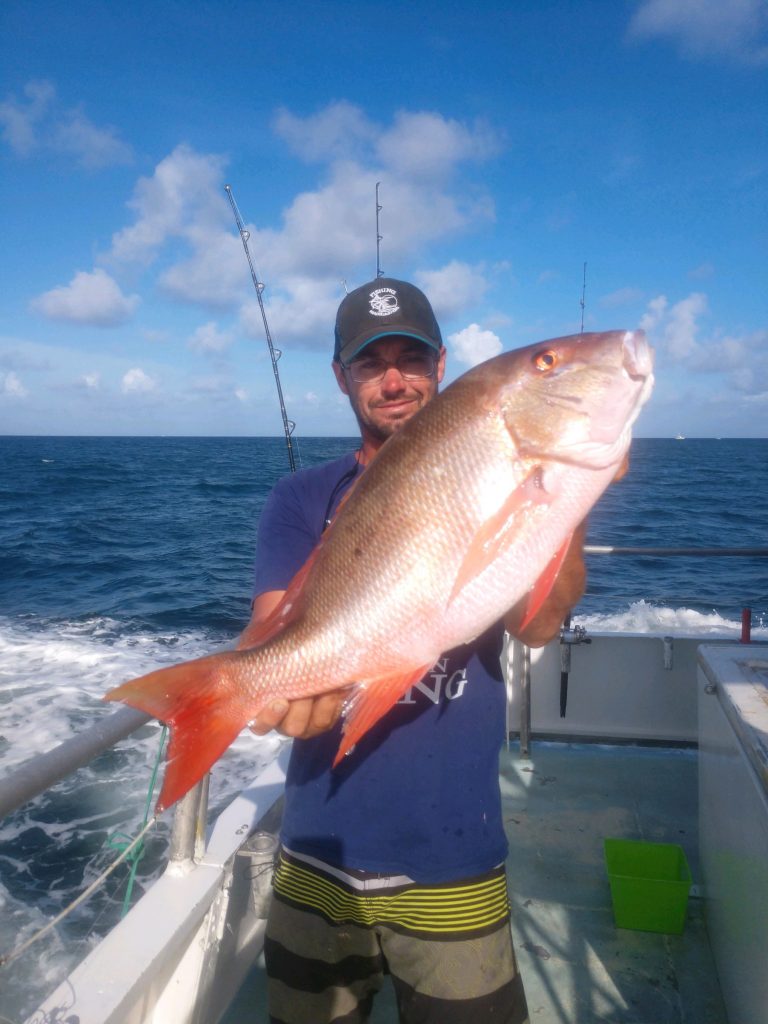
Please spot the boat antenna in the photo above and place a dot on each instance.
(583, 294)
(379, 271)
(288, 425)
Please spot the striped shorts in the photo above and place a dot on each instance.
(333, 936)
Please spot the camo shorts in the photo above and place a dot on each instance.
(333, 936)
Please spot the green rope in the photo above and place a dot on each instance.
(120, 840)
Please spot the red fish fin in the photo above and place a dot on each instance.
(257, 633)
(543, 585)
(188, 698)
(494, 534)
(370, 702)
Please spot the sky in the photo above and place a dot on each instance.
(538, 161)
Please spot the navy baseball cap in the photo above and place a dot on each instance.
(381, 308)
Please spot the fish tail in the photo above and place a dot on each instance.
(188, 698)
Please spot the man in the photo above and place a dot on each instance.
(394, 861)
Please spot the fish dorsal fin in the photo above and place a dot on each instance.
(495, 534)
(285, 611)
(290, 604)
(370, 701)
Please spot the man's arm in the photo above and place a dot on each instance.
(301, 718)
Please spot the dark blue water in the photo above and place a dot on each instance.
(152, 531)
(159, 532)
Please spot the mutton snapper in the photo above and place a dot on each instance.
(465, 511)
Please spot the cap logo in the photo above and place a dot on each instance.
(383, 302)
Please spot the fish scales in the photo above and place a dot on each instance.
(454, 521)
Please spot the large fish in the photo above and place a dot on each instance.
(463, 512)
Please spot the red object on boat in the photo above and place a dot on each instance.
(746, 625)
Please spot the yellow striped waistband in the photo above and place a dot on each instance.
(456, 907)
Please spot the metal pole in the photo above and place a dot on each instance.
(525, 702)
(597, 549)
(188, 834)
(45, 770)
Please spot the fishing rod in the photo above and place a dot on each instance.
(379, 271)
(288, 425)
(583, 295)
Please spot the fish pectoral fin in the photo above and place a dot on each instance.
(495, 533)
(542, 587)
(188, 698)
(370, 702)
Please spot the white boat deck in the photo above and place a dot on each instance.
(578, 967)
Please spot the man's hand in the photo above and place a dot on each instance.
(302, 718)
(566, 591)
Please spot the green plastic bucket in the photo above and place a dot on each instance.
(649, 885)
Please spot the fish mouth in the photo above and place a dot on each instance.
(637, 355)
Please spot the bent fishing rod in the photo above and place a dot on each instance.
(288, 425)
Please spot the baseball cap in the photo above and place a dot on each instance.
(380, 308)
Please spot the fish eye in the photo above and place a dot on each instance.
(545, 360)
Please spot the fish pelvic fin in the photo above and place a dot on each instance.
(370, 702)
(188, 699)
(543, 585)
(496, 533)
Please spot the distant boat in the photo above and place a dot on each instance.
(679, 437)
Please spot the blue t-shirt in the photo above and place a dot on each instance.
(419, 793)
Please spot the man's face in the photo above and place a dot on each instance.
(383, 406)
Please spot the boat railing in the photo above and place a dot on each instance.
(44, 771)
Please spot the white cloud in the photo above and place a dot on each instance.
(656, 310)
(182, 216)
(429, 146)
(20, 119)
(474, 345)
(702, 272)
(91, 381)
(136, 380)
(90, 298)
(92, 147)
(209, 339)
(38, 122)
(339, 131)
(621, 297)
(675, 330)
(12, 386)
(417, 144)
(331, 231)
(182, 210)
(453, 287)
(305, 310)
(735, 28)
(675, 325)
(184, 198)
(682, 325)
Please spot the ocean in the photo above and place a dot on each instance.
(118, 555)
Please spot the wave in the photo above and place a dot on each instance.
(645, 617)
